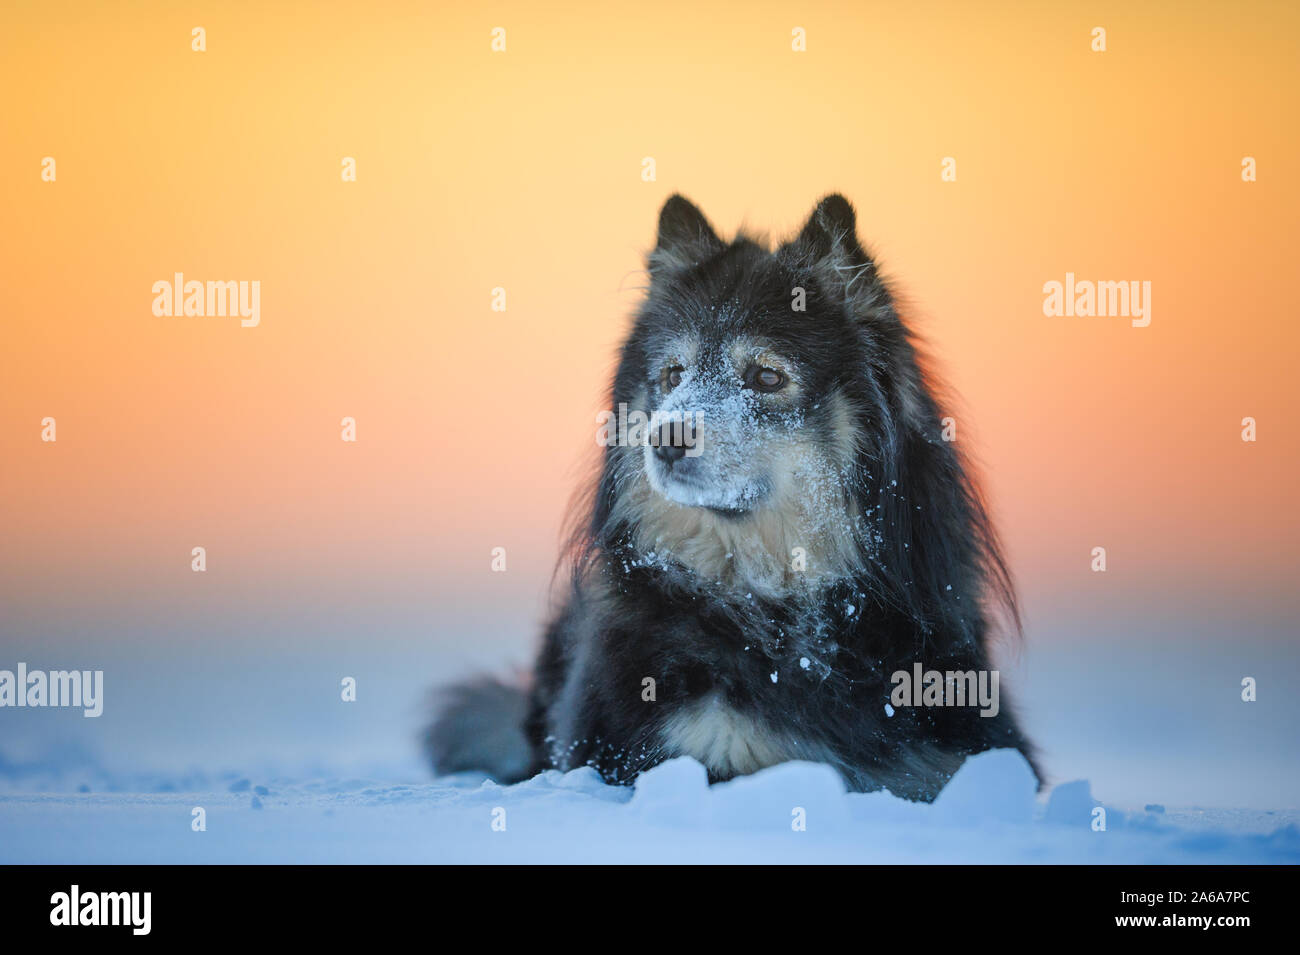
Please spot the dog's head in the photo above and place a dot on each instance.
(792, 436)
(740, 357)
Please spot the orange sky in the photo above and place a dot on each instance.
(522, 169)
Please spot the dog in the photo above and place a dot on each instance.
(750, 582)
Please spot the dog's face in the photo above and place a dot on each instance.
(736, 401)
(742, 360)
(727, 417)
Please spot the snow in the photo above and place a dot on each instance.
(343, 781)
(989, 812)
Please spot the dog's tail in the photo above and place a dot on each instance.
(479, 726)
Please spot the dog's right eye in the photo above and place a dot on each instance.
(672, 377)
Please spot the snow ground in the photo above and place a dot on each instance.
(988, 813)
(185, 726)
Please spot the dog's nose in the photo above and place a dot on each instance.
(672, 441)
(668, 453)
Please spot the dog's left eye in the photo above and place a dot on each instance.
(765, 379)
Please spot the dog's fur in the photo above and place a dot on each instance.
(823, 537)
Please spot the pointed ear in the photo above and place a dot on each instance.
(828, 246)
(685, 236)
(832, 228)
